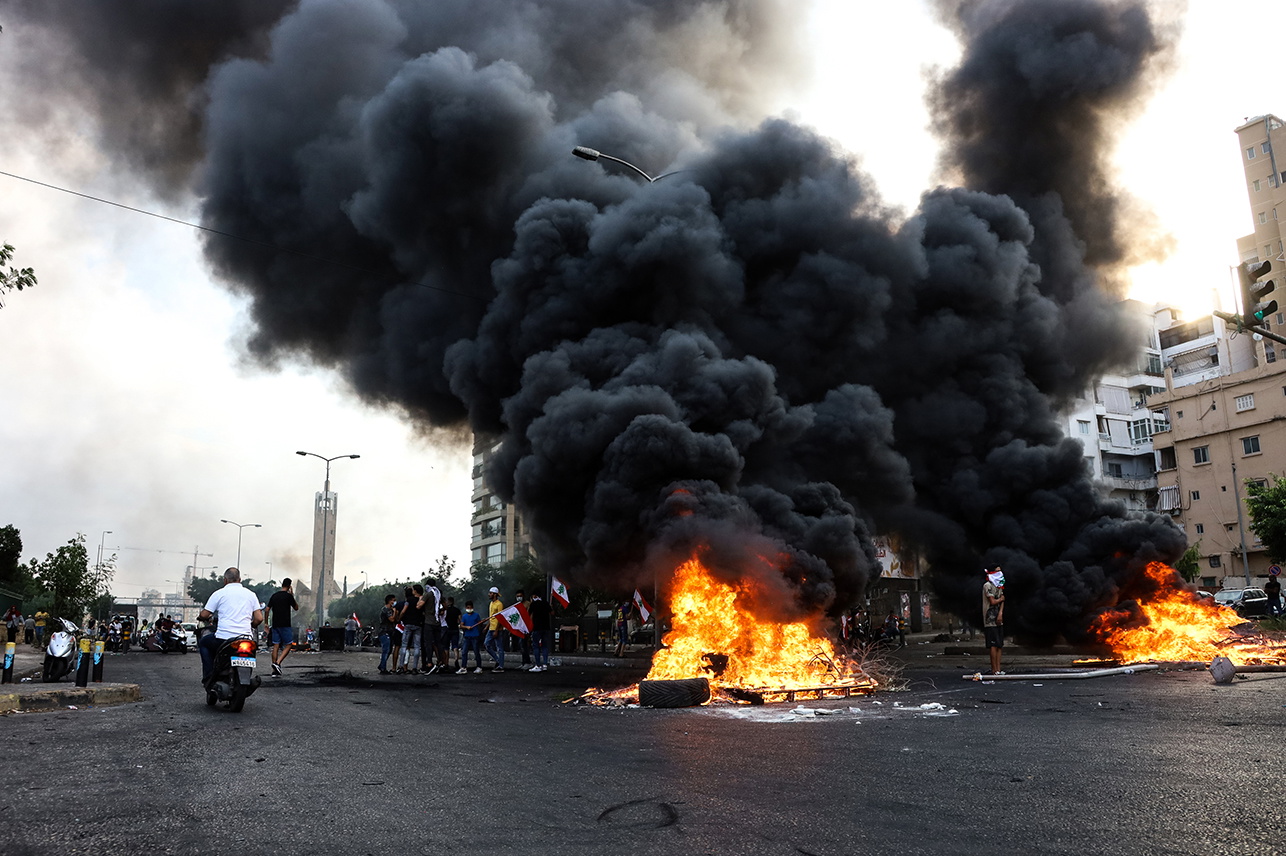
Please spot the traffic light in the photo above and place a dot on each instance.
(1252, 311)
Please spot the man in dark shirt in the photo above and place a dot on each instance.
(388, 618)
(280, 606)
(451, 617)
(538, 609)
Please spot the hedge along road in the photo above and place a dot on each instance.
(319, 762)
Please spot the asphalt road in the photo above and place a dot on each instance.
(1162, 762)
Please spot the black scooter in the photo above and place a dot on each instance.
(233, 679)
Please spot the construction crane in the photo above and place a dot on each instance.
(196, 551)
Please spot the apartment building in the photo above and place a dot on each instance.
(498, 533)
(1265, 189)
(1115, 421)
(1225, 395)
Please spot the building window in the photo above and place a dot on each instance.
(1250, 445)
(1113, 470)
(1166, 459)
(1201, 528)
(1208, 582)
(1178, 414)
(1270, 353)
(1201, 455)
(1263, 147)
(1194, 495)
(1083, 426)
(1256, 185)
(1263, 218)
(1274, 213)
(1250, 153)
(1244, 402)
(1215, 562)
(1140, 431)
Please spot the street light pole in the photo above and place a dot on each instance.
(589, 154)
(240, 526)
(101, 542)
(321, 577)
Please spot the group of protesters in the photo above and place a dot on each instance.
(25, 628)
(424, 632)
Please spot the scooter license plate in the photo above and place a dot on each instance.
(243, 662)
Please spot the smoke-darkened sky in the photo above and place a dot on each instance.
(761, 353)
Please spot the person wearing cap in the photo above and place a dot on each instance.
(494, 644)
(993, 615)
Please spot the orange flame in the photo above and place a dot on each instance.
(1176, 625)
(712, 619)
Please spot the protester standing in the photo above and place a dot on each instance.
(412, 619)
(13, 623)
(494, 642)
(388, 618)
(280, 606)
(451, 622)
(993, 615)
(1273, 588)
(540, 614)
(470, 623)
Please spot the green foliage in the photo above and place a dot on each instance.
(201, 588)
(1267, 506)
(72, 581)
(12, 278)
(1189, 564)
(14, 575)
(367, 603)
(521, 573)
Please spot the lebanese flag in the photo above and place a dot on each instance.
(558, 591)
(645, 608)
(516, 619)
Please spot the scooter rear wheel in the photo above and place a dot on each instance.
(211, 697)
(238, 700)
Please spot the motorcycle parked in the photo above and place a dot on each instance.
(233, 679)
(62, 652)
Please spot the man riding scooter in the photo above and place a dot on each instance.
(237, 608)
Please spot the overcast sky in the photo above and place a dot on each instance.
(125, 404)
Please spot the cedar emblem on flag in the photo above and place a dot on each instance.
(645, 608)
(516, 619)
(558, 591)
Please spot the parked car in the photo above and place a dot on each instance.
(1249, 602)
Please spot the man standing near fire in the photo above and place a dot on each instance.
(993, 615)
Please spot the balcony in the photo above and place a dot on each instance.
(1142, 482)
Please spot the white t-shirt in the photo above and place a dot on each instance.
(235, 605)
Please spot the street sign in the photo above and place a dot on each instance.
(1275, 570)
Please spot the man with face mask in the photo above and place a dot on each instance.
(471, 625)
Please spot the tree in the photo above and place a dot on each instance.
(1266, 502)
(1189, 563)
(71, 580)
(14, 575)
(12, 278)
(201, 588)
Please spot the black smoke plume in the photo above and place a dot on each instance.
(754, 356)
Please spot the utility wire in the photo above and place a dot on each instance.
(235, 237)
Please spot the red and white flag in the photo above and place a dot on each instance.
(645, 608)
(558, 591)
(516, 619)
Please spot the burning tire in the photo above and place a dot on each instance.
(684, 693)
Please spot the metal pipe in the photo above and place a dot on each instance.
(1065, 676)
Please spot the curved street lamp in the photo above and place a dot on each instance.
(240, 526)
(594, 154)
(321, 577)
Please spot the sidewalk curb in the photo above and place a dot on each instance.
(33, 699)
